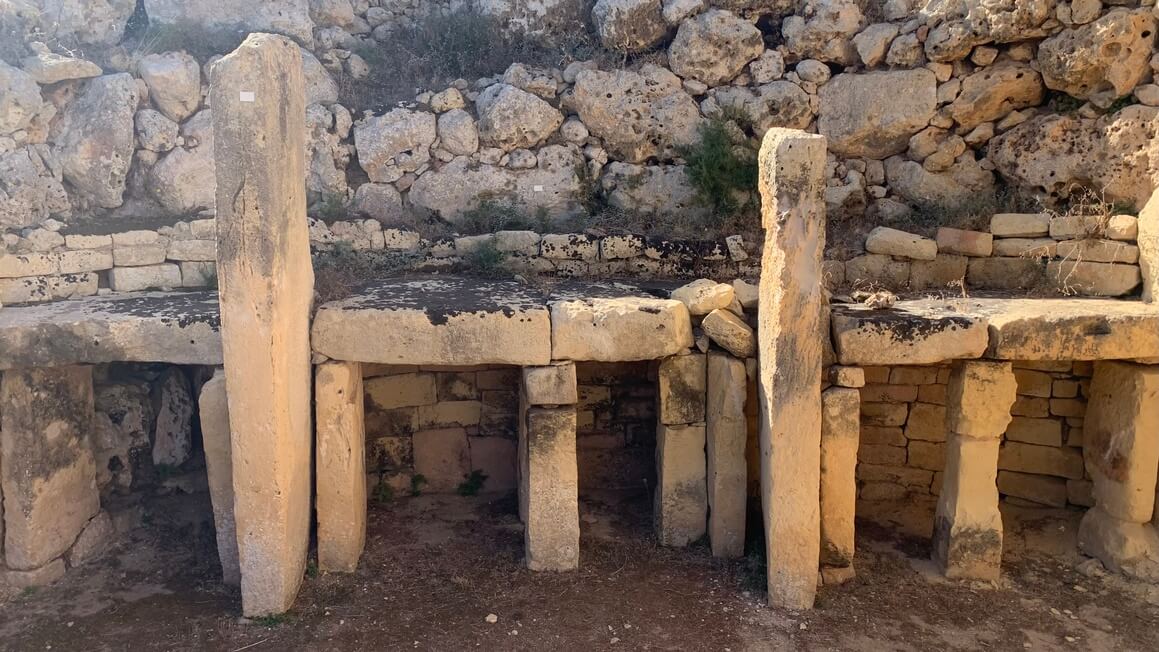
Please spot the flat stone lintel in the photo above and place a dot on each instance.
(906, 334)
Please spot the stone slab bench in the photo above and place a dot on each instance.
(172, 327)
(928, 331)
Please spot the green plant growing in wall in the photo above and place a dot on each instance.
(417, 482)
(486, 260)
(472, 483)
(719, 169)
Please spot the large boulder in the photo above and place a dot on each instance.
(655, 189)
(873, 115)
(459, 186)
(184, 181)
(52, 68)
(714, 47)
(1106, 58)
(30, 188)
(993, 92)
(95, 22)
(965, 182)
(638, 115)
(776, 104)
(94, 139)
(288, 17)
(959, 25)
(1116, 154)
(824, 30)
(326, 157)
(320, 86)
(458, 133)
(391, 145)
(174, 81)
(629, 25)
(510, 118)
(19, 99)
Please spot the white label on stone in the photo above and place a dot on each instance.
(538, 188)
(246, 96)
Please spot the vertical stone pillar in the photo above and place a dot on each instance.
(680, 504)
(727, 432)
(213, 410)
(792, 179)
(1121, 451)
(46, 465)
(840, 433)
(548, 474)
(968, 526)
(1148, 241)
(341, 465)
(266, 286)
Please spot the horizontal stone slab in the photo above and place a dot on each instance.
(912, 332)
(177, 328)
(612, 322)
(436, 320)
(1070, 329)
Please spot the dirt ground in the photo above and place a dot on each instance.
(437, 568)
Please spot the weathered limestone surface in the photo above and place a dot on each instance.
(680, 507)
(266, 287)
(910, 333)
(1121, 449)
(213, 409)
(967, 525)
(553, 384)
(1148, 241)
(680, 392)
(619, 329)
(792, 179)
(549, 486)
(448, 321)
(727, 434)
(147, 327)
(340, 474)
(1071, 329)
(840, 424)
(47, 470)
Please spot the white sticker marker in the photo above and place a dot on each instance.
(538, 188)
(247, 96)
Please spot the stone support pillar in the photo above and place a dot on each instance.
(791, 182)
(548, 474)
(840, 432)
(1121, 451)
(266, 288)
(680, 504)
(213, 410)
(47, 469)
(968, 526)
(727, 432)
(1148, 242)
(340, 475)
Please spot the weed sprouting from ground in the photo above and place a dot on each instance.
(719, 168)
(331, 207)
(197, 39)
(383, 492)
(417, 482)
(272, 620)
(472, 483)
(341, 269)
(494, 214)
(485, 260)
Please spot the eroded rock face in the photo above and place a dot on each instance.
(395, 143)
(122, 423)
(629, 25)
(966, 23)
(289, 17)
(30, 188)
(19, 99)
(824, 30)
(510, 118)
(174, 81)
(99, 22)
(964, 181)
(458, 133)
(183, 181)
(1105, 58)
(874, 114)
(320, 86)
(94, 139)
(326, 156)
(1059, 154)
(714, 47)
(993, 92)
(776, 104)
(651, 188)
(639, 115)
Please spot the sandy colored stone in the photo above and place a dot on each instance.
(47, 471)
(1093, 279)
(1041, 489)
(1020, 225)
(213, 410)
(892, 242)
(966, 243)
(726, 434)
(1121, 438)
(266, 282)
(909, 334)
(1122, 546)
(340, 467)
(619, 329)
(791, 181)
(968, 527)
(874, 114)
(554, 384)
(1069, 329)
(681, 389)
(839, 443)
(704, 295)
(979, 397)
(847, 376)
(1062, 462)
(549, 487)
(1148, 242)
(680, 510)
(730, 332)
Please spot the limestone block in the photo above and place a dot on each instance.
(619, 329)
(1095, 279)
(401, 390)
(731, 332)
(1043, 460)
(551, 385)
(704, 295)
(340, 467)
(203, 250)
(681, 389)
(892, 242)
(93, 540)
(1005, 273)
(85, 260)
(874, 114)
(1041, 489)
(1041, 432)
(966, 243)
(47, 471)
(132, 279)
(943, 273)
(32, 264)
(1026, 247)
(727, 434)
(1122, 546)
(549, 488)
(1148, 241)
(926, 455)
(442, 457)
(847, 376)
(839, 443)
(213, 409)
(1098, 251)
(173, 432)
(266, 282)
(791, 181)
(905, 335)
(1121, 438)
(680, 509)
(979, 397)
(1020, 225)
(43, 576)
(967, 526)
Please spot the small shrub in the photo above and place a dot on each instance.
(718, 168)
(383, 492)
(331, 208)
(496, 214)
(486, 261)
(1122, 103)
(417, 482)
(1064, 103)
(472, 483)
(338, 271)
(272, 620)
(311, 568)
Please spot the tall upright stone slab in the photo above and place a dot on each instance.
(1148, 242)
(792, 179)
(967, 525)
(213, 411)
(46, 462)
(341, 465)
(1121, 451)
(265, 283)
(840, 426)
(549, 487)
(727, 434)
